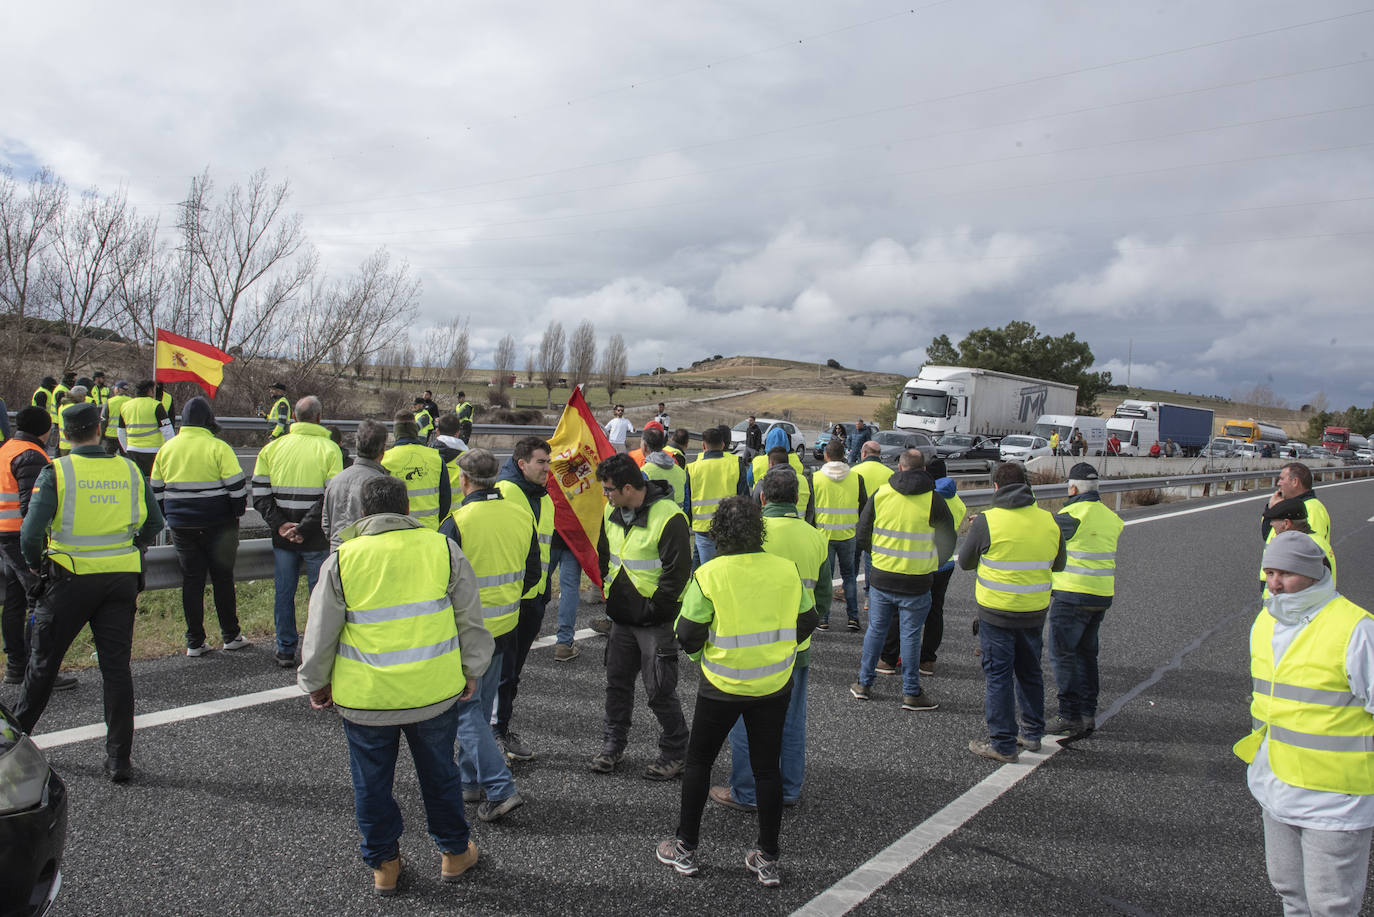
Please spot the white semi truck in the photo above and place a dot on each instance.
(958, 399)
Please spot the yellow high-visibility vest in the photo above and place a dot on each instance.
(635, 549)
(713, 479)
(903, 538)
(544, 530)
(792, 538)
(760, 468)
(420, 468)
(752, 643)
(837, 505)
(142, 429)
(496, 535)
(1091, 565)
(1014, 573)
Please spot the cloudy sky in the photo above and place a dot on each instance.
(1187, 184)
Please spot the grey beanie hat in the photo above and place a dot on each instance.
(1295, 552)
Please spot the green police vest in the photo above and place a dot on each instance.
(837, 505)
(281, 416)
(543, 529)
(420, 468)
(399, 646)
(112, 409)
(100, 507)
(635, 549)
(142, 429)
(496, 535)
(792, 538)
(903, 538)
(760, 468)
(752, 644)
(713, 479)
(1014, 574)
(675, 476)
(1320, 735)
(1091, 565)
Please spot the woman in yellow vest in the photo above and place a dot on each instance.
(743, 615)
(1311, 753)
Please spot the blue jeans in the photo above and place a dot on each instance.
(912, 611)
(1073, 652)
(569, 582)
(372, 754)
(481, 762)
(706, 548)
(793, 757)
(844, 551)
(1011, 664)
(287, 574)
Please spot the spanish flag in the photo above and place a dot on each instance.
(179, 359)
(578, 446)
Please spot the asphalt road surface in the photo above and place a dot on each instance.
(249, 811)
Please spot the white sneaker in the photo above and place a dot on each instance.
(194, 651)
(238, 643)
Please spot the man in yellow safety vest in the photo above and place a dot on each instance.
(1311, 751)
(839, 494)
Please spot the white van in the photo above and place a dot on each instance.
(1136, 434)
(1094, 431)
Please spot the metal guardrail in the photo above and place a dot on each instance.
(255, 559)
(351, 426)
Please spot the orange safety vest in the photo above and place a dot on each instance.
(10, 519)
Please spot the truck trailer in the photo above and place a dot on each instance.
(960, 399)
(1158, 421)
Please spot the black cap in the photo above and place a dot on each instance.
(1295, 508)
(80, 417)
(98, 373)
(279, 386)
(419, 401)
(33, 421)
(1082, 472)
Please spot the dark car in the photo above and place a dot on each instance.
(895, 442)
(33, 824)
(968, 451)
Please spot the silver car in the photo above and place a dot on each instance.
(895, 442)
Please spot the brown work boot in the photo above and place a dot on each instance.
(455, 864)
(386, 877)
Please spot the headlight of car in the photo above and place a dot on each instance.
(23, 775)
(956, 455)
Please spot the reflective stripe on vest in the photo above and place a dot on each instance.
(1091, 565)
(752, 643)
(544, 529)
(1014, 574)
(399, 645)
(635, 549)
(294, 469)
(903, 538)
(1320, 735)
(10, 517)
(142, 429)
(496, 535)
(101, 506)
(792, 538)
(837, 505)
(419, 468)
(713, 479)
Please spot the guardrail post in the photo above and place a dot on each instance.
(1118, 501)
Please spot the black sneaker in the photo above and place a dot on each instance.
(515, 747)
(853, 624)
(495, 811)
(1063, 727)
(13, 677)
(286, 660)
(605, 762)
(824, 625)
(118, 771)
(64, 682)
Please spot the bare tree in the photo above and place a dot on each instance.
(614, 363)
(582, 354)
(504, 360)
(249, 260)
(551, 359)
(27, 220)
(460, 353)
(370, 308)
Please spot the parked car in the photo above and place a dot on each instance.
(966, 450)
(1020, 448)
(895, 442)
(765, 424)
(1221, 447)
(1365, 455)
(33, 823)
(1249, 450)
(822, 440)
(1319, 452)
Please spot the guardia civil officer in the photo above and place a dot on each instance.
(95, 512)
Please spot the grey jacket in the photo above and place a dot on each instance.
(326, 621)
(343, 497)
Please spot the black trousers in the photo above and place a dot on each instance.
(651, 654)
(208, 551)
(711, 723)
(14, 619)
(517, 651)
(931, 634)
(144, 461)
(106, 602)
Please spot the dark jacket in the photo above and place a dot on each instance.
(910, 483)
(1068, 527)
(510, 471)
(977, 542)
(25, 467)
(624, 604)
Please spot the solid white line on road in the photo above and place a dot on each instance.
(856, 887)
(210, 707)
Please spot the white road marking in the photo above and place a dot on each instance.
(209, 708)
(856, 887)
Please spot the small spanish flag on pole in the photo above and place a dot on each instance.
(578, 446)
(179, 359)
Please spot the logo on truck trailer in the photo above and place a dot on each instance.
(1033, 400)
